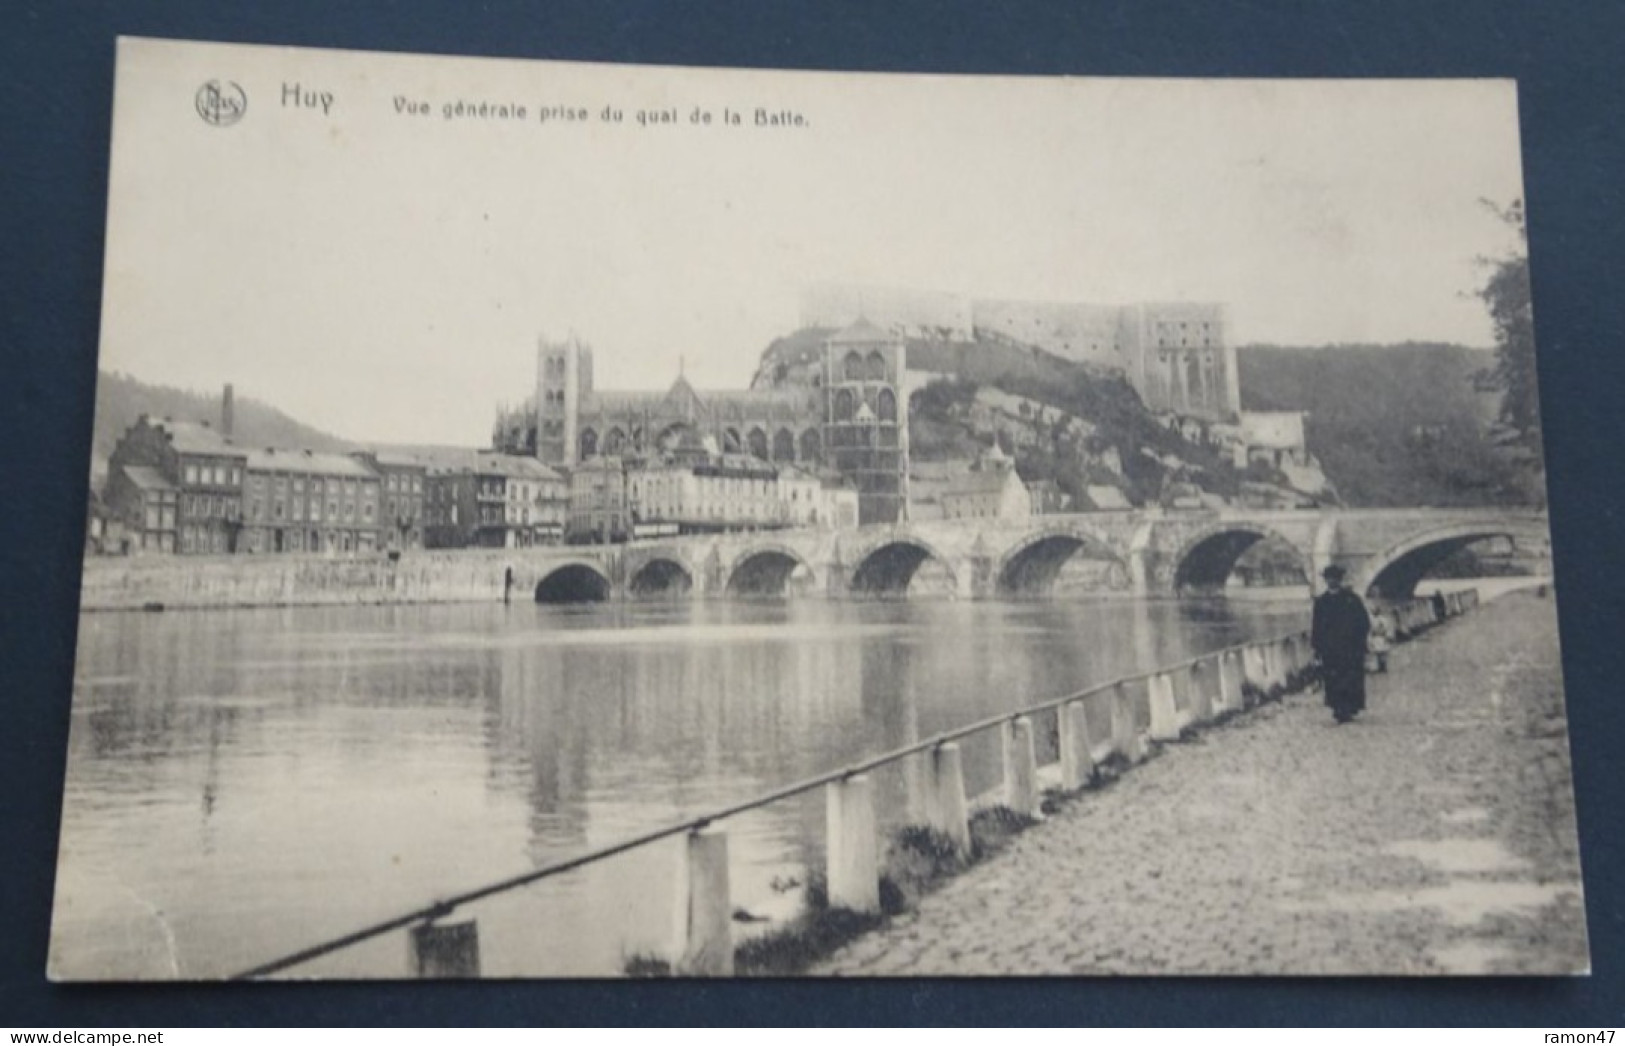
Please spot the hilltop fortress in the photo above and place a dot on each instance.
(1175, 354)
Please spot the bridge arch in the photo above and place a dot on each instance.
(764, 571)
(660, 577)
(1205, 562)
(1393, 573)
(888, 567)
(574, 582)
(1030, 566)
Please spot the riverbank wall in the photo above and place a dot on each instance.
(463, 576)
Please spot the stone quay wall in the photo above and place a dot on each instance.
(464, 576)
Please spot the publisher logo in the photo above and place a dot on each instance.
(221, 103)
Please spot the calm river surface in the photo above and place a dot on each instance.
(245, 783)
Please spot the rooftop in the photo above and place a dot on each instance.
(393, 459)
(192, 437)
(513, 466)
(309, 462)
(147, 478)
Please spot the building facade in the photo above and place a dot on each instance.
(990, 490)
(496, 501)
(1048, 498)
(144, 504)
(401, 492)
(305, 501)
(599, 510)
(184, 494)
(733, 492)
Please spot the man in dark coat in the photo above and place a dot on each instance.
(1338, 635)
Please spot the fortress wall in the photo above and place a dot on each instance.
(1071, 330)
(1155, 344)
(890, 308)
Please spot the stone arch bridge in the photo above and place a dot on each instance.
(1143, 553)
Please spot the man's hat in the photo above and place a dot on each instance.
(1334, 573)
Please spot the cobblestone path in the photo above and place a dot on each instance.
(1433, 835)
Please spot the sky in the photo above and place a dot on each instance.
(386, 276)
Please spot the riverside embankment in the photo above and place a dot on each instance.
(1433, 835)
(134, 583)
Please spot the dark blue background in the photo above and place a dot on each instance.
(56, 68)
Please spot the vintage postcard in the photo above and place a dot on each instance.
(565, 520)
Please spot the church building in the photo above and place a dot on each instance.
(849, 419)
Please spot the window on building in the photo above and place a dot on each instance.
(277, 510)
(886, 405)
(191, 475)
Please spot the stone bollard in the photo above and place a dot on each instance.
(917, 782)
(1201, 700)
(1280, 665)
(1252, 671)
(1020, 766)
(1126, 740)
(1164, 712)
(1302, 659)
(1077, 751)
(853, 856)
(704, 946)
(1291, 658)
(445, 950)
(1265, 660)
(947, 810)
(1231, 672)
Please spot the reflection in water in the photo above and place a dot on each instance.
(244, 784)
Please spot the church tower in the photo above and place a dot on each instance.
(866, 418)
(563, 379)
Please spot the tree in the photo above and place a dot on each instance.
(1506, 295)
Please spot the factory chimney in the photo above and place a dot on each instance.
(227, 412)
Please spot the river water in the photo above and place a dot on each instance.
(242, 784)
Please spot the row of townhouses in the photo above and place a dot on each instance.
(188, 488)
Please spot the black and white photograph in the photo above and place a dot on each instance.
(569, 520)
